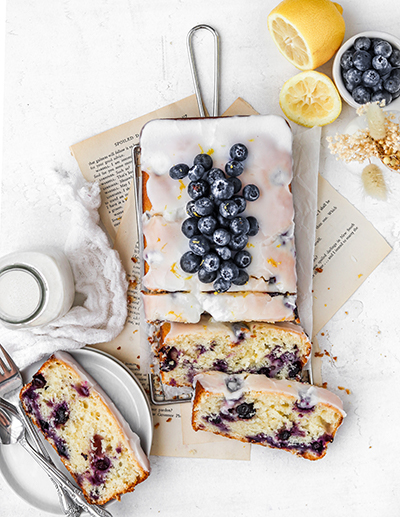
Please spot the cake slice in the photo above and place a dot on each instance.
(288, 415)
(88, 432)
(184, 350)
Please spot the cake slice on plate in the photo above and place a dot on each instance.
(80, 421)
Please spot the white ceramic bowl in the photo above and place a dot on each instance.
(336, 69)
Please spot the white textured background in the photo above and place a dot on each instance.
(75, 68)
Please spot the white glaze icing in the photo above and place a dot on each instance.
(165, 245)
(269, 166)
(188, 307)
(216, 382)
(207, 327)
(132, 438)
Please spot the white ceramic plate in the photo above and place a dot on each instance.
(27, 478)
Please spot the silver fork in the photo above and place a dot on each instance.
(11, 383)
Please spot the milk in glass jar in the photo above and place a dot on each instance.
(36, 287)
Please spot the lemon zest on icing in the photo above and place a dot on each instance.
(273, 262)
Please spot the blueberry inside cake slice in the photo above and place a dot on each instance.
(288, 415)
(91, 437)
(184, 350)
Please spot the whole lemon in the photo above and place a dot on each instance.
(307, 32)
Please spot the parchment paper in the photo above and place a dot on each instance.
(320, 271)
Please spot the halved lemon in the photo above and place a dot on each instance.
(307, 32)
(310, 99)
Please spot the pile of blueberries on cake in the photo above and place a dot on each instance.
(216, 228)
(371, 70)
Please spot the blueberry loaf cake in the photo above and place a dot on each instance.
(288, 415)
(184, 350)
(218, 219)
(91, 437)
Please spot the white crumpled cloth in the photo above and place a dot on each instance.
(60, 209)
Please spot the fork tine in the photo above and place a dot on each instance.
(12, 367)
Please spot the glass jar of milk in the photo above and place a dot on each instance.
(36, 287)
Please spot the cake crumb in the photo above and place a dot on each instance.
(157, 425)
(319, 269)
(169, 419)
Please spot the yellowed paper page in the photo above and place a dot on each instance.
(107, 158)
(347, 250)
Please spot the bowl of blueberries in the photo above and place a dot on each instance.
(367, 69)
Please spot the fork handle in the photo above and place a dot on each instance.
(74, 493)
(70, 508)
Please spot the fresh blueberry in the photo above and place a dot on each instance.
(203, 206)
(179, 171)
(346, 61)
(211, 262)
(205, 160)
(381, 64)
(222, 189)
(222, 237)
(254, 226)
(241, 202)
(378, 86)
(251, 192)
(229, 209)
(361, 95)
(228, 270)
(238, 242)
(382, 48)
(238, 152)
(242, 258)
(206, 277)
(207, 224)
(349, 86)
(396, 73)
(223, 252)
(387, 74)
(245, 410)
(234, 168)
(395, 95)
(189, 208)
(197, 189)
(239, 225)
(237, 184)
(380, 96)
(362, 60)
(190, 262)
(370, 78)
(196, 172)
(392, 85)
(362, 43)
(189, 227)
(199, 244)
(213, 175)
(242, 278)
(223, 222)
(221, 285)
(353, 77)
(394, 59)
